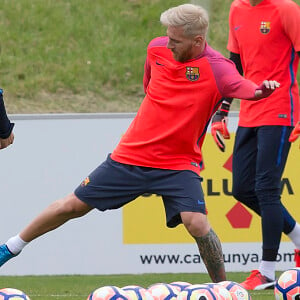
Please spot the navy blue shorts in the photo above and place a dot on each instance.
(113, 184)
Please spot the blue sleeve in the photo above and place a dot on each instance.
(6, 126)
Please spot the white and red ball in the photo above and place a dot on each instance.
(220, 290)
(197, 292)
(13, 294)
(236, 290)
(287, 286)
(181, 285)
(136, 292)
(163, 291)
(109, 292)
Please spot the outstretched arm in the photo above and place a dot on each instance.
(247, 90)
(233, 85)
(219, 128)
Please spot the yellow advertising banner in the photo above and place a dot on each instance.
(144, 219)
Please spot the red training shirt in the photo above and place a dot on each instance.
(171, 123)
(267, 37)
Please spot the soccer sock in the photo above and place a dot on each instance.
(294, 235)
(15, 244)
(267, 268)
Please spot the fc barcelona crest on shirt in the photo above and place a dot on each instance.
(192, 73)
(265, 27)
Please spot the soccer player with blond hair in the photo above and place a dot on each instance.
(160, 153)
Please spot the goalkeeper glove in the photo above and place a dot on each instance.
(219, 128)
(295, 133)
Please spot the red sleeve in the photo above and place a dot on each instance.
(290, 18)
(156, 42)
(229, 81)
(232, 85)
(237, 86)
(232, 44)
(147, 74)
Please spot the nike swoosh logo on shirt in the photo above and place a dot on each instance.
(237, 27)
(159, 64)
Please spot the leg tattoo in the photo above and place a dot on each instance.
(211, 252)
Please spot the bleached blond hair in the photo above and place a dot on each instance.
(193, 18)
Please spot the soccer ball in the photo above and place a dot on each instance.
(181, 285)
(197, 292)
(109, 292)
(163, 291)
(220, 290)
(236, 290)
(135, 292)
(13, 294)
(287, 286)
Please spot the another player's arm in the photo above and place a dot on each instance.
(6, 127)
(219, 128)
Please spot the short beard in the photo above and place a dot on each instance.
(183, 57)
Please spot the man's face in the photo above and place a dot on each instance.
(181, 46)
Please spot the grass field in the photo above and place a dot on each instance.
(76, 56)
(77, 287)
(84, 56)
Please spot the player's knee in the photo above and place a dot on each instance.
(240, 194)
(268, 196)
(196, 224)
(70, 206)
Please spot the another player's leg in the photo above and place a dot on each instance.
(208, 244)
(269, 166)
(52, 217)
(292, 229)
(268, 192)
(244, 184)
(244, 172)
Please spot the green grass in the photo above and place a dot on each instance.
(78, 287)
(76, 56)
(84, 56)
